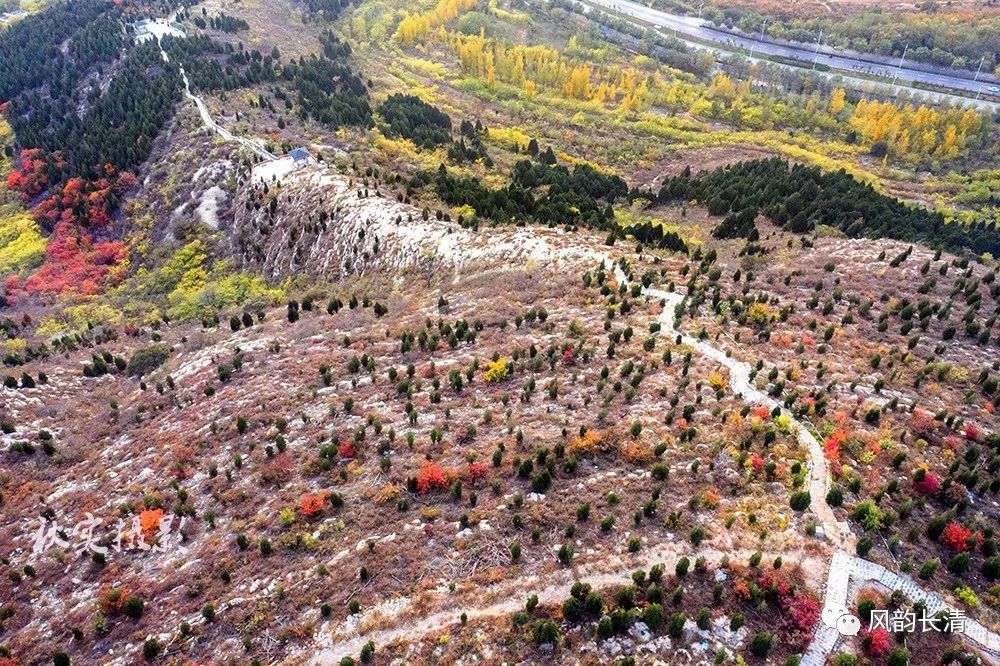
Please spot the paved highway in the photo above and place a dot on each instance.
(694, 28)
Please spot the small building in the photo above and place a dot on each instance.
(142, 31)
(8, 17)
(148, 29)
(274, 170)
(300, 157)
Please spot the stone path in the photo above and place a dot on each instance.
(838, 532)
(206, 117)
(397, 619)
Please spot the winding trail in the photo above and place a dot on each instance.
(158, 31)
(844, 566)
(838, 532)
(505, 598)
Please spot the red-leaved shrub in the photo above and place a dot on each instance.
(569, 357)
(805, 612)
(433, 476)
(476, 472)
(74, 263)
(876, 642)
(956, 536)
(929, 485)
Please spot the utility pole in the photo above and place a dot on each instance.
(819, 42)
(901, 60)
(753, 45)
(979, 69)
(702, 6)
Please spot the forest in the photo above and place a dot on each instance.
(581, 197)
(212, 65)
(800, 198)
(345, 102)
(120, 126)
(78, 145)
(29, 51)
(409, 117)
(42, 88)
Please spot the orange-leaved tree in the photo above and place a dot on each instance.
(312, 504)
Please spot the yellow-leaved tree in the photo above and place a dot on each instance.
(417, 27)
(838, 99)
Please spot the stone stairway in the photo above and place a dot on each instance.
(844, 568)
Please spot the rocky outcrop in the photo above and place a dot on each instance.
(322, 223)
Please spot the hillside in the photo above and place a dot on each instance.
(486, 332)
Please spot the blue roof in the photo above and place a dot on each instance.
(300, 154)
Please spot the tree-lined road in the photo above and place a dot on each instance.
(697, 29)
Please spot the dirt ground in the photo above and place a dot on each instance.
(707, 159)
(284, 21)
